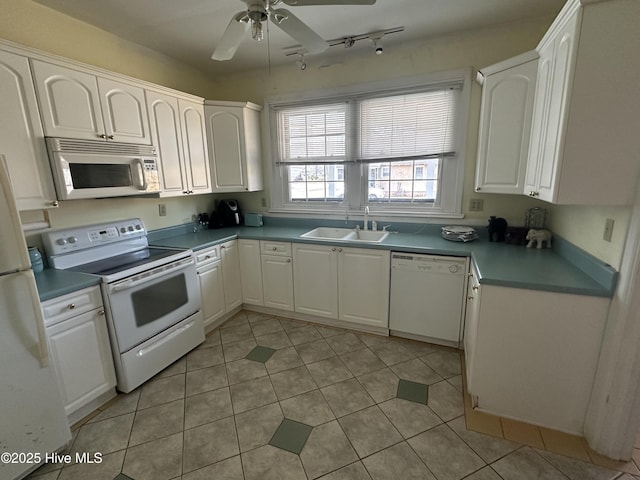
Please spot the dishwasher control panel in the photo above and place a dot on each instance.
(429, 263)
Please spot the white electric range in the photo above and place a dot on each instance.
(151, 294)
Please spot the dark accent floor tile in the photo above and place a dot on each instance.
(260, 354)
(413, 391)
(291, 436)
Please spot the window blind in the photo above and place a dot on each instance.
(313, 134)
(407, 126)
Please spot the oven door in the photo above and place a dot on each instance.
(148, 303)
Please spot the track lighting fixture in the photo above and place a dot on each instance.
(301, 63)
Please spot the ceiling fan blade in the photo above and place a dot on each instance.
(231, 38)
(303, 3)
(295, 28)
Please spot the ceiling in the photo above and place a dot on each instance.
(188, 30)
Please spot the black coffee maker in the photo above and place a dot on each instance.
(227, 214)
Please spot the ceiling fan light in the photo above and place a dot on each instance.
(256, 30)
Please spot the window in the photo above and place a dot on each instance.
(400, 151)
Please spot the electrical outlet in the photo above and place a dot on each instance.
(162, 209)
(476, 205)
(608, 229)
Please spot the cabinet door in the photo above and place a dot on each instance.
(562, 74)
(212, 292)
(231, 274)
(81, 358)
(471, 321)
(124, 111)
(21, 136)
(315, 276)
(69, 102)
(226, 148)
(194, 142)
(251, 272)
(505, 126)
(277, 278)
(164, 119)
(363, 282)
(539, 121)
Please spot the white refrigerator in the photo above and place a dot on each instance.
(32, 418)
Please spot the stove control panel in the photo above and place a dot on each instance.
(69, 240)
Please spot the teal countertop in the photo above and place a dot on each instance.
(53, 283)
(497, 263)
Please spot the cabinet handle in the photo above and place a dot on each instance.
(333, 249)
(478, 189)
(469, 274)
(207, 257)
(71, 306)
(110, 137)
(101, 313)
(469, 298)
(288, 260)
(222, 246)
(475, 288)
(102, 136)
(55, 203)
(274, 248)
(339, 249)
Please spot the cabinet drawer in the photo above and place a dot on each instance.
(275, 248)
(208, 255)
(71, 305)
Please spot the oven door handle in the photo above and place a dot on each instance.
(150, 276)
(143, 351)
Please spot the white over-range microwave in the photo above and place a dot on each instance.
(85, 169)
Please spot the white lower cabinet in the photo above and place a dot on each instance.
(251, 272)
(231, 274)
(211, 290)
(315, 276)
(532, 355)
(218, 270)
(277, 275)
(363, 282)
(348, 284)
(79, 347)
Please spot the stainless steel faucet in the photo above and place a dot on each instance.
(366, 218)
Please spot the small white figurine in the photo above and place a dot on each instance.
(538, 236)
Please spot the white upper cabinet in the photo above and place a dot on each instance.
(77, 104)
(233, 130)
(584, 139)
(505, 124)
(178, 132)
(21, 136)
(194, 141)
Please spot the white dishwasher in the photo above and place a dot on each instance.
(427, 297)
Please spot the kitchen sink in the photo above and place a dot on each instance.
(367, 236)
(328, 233)
(348, 234)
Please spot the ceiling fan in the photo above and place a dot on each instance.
(259, 11)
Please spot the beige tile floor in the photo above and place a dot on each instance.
(212, 414)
